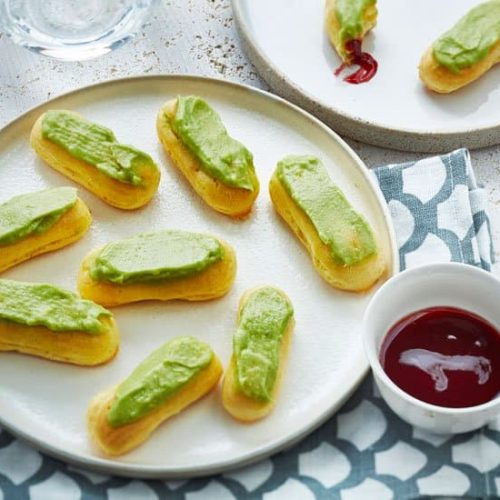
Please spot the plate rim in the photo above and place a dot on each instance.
(109, 466)
(366, 131)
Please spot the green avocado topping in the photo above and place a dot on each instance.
(350, 15)
(40, 304)
(201, 130)
(162, 255)
(33, 213)
(256, 344)
(157, 378)
(339, 226)
(96, 145)
(470, 40)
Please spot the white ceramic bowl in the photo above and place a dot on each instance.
(450, 284)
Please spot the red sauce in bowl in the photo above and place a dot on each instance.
(444, 356)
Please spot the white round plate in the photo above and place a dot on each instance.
(45, 402)
(287, 42)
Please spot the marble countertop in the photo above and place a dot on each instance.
(190, 37)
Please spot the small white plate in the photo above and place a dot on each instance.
(45, 402)
(287, 42)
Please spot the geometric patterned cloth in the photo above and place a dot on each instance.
(438, 210)
(365, 451)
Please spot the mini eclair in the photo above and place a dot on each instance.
(219, 168)
(163, 265)
(171, 378)
(465, 52)
(339, 240)
(90, 155)
(49, 322)
(260, 350)
(35, 223)
(347, 21)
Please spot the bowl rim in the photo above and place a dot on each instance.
(452, 268)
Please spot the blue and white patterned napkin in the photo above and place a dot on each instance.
(365, 451)
(438, 210)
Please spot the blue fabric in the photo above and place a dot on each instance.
(439, 211)
(364, 451)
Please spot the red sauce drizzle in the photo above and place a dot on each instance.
(367, 64)
(444, 356)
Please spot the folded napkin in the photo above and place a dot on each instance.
(365, 451)
(438, 210)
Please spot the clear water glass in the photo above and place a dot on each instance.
(72, 30)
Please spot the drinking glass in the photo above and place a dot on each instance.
(72, 30)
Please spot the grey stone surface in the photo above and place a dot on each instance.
(191, 37)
